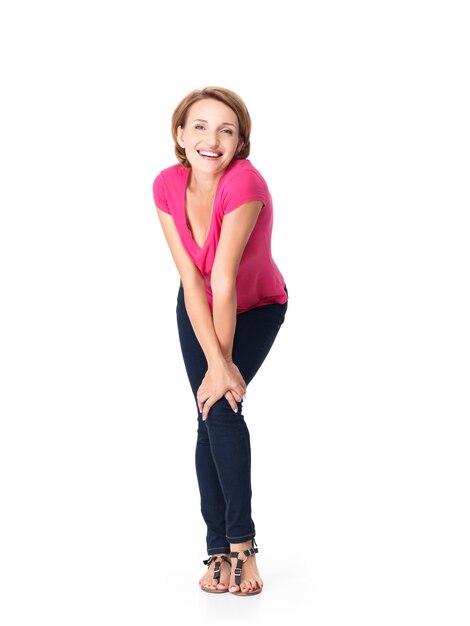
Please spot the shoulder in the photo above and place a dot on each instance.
(242, 175)
(171, 174)
(166, 186)
(242, 183)
(243, 169)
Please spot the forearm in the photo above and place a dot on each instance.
(199, 314)
(224, 312)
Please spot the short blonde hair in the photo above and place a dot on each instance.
(228, 97)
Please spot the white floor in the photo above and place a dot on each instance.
(126, 591)
(109, 551)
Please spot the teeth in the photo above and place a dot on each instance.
(209, 154)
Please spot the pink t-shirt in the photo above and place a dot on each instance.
(259, 281)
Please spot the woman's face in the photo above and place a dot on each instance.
(210, 136)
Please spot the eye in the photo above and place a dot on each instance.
(228, 131)
(199, 127)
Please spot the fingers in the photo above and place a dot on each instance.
(232, 401)
(239, 393)
(206, 397)
(231, 397)
(202, 396)
(207, 407)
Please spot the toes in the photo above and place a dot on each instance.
(234, 588)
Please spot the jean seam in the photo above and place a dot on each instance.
(240, 538)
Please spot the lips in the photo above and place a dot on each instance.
(209, 154)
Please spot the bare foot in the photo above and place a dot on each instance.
(208, 582)
(250, 578)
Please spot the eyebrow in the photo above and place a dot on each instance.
(206, 122)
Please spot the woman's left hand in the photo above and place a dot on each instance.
(209, 391)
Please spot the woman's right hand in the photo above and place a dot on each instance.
(222, 378)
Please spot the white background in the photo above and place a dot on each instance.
(358, 417)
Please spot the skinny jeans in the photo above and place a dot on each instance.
(223, 453)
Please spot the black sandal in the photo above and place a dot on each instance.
(216, 576)
(238, 570)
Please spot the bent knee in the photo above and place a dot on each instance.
(222, 411)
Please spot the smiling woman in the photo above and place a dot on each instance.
(234, 104)
(217, 217)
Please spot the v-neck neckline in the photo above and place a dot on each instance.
(199, 248)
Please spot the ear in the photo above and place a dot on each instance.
(180, 136)
(241, 143)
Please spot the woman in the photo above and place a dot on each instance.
(216, 213)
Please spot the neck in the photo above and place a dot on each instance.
(202, 183)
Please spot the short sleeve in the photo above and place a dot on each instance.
(245, 186)
(159, 195)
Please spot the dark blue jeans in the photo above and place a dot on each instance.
(223, 454)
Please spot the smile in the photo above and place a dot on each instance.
(209, 154)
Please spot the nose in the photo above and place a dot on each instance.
(213, 139)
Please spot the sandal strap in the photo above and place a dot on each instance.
(216, 573)
(238, 568)
(218, 562)
(214, 558)
(247, 553)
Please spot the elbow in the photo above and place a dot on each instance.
(223, 284)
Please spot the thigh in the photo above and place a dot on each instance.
(255, 333)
